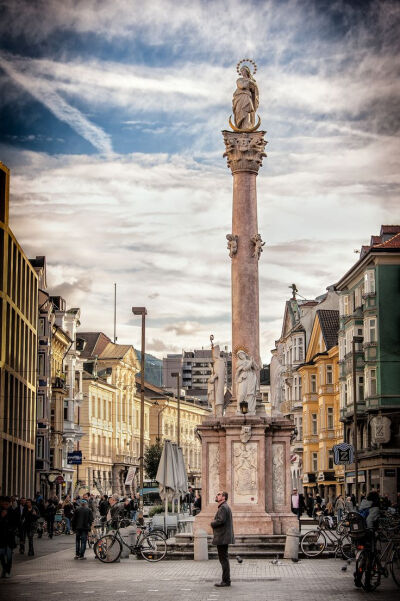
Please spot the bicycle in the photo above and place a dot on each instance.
(151, 546)
(314, 542)
(378, 551)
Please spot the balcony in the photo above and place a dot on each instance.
(310, 397)
(58, 384)
(127, 459)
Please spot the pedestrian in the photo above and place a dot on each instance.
(354, 500)
(197, 504)
(310, 505)
(81, 523)
(297, 503)
(222, 526)
(50, 512)
(68, 510)
(348, 505)
(189, 499)
(8, 526)
(133, 507)
(20, 511)
(116, 511)
(339, 508)
(29, 518)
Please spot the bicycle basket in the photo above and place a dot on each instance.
(357, 525)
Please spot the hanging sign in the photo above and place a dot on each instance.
(343, 454)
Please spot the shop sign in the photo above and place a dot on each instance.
(74, 458)
(380, 429)
(390, 473)
(130, 475)
(343, 454)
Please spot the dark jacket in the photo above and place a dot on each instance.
(8, 526)
(222, 526)
(83, 518)
(117, 512)
(103, 507)
(28, 518)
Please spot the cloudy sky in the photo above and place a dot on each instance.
(111, 119)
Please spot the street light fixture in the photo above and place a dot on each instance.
(355, 340)
(143, 312)
(177, 375)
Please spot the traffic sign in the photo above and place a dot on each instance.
(59, 480)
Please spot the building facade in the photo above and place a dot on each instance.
(370, 311)
(321, 425)
(287, 356)
(18, 357)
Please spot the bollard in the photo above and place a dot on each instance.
(200, 545)
(292, 544)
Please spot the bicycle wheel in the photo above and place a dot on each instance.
(313, 543)
(395, 566)
(367, 572)
(108, 549)
(347, 547)
(153, 547)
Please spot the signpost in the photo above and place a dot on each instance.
(74, 458)
(343, 454)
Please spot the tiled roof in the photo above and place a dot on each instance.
(329, 320)
(95, 343)
(115, 351)
(390, 229)
(393, 242)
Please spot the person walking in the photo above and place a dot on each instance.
(339, 508)
(81, 523)
(68, 510)
(8, 526)
(222, 526)
(50, 512)
(29, 518)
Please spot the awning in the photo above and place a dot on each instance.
(146, 490)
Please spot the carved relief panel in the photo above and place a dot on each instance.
(278, 475)
(245, 473)
(213, 470)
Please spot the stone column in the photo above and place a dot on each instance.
(244, 152)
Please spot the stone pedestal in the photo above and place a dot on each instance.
(251, 464)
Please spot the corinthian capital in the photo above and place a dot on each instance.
(244, 151)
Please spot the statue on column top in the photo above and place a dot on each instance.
(245, 99)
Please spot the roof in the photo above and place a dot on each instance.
(115, 351)
(393, 242)
(329, 320)
(96, 342)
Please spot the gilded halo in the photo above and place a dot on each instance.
(246, 60)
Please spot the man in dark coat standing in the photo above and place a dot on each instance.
(222, 526)
(82, 522)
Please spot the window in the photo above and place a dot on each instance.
(344, 305)
(371, 329)
(357, 297)
(372, 382)
(330, 460)
(314, 466)
(314, 429)
(40, 406)
(330, 418)
(313, 383)
(41, 364)
(369, 281)
(39, 447)
(300, 429)
(360, 388)
(298, 348)
(65, 411)
(329, 374)
(41, 330)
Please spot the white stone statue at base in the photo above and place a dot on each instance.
(246, 381)
(216, 383)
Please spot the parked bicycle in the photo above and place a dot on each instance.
(378, 551)
(151, 546)
(315, 542)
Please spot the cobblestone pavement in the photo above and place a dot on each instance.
(58, 576)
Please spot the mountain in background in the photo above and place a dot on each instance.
(152, 368)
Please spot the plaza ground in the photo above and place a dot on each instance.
(54, 574)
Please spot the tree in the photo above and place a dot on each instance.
(152, 456)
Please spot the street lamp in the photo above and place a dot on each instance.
(177, 375)
(355, 340)
(143, 312)
(244, 407)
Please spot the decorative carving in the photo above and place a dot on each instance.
(380, 429)
(216, 382)
(213, 470)
(258, 245)
(245, 434)
(232, 244)
(246, 381)
(245, 98)
(278, 474)
(245, 472)
(244, 151)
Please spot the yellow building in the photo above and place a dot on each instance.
(164, 425)
(60, 343)
(322, 428)
(18, 357)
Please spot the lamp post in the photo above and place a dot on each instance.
(143, 312)
(178, 394)
(355, 340)
(244, 408)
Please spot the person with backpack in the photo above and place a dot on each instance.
(370, 508)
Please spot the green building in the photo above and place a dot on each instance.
(370, 310)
